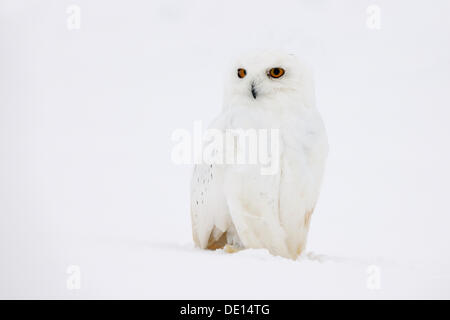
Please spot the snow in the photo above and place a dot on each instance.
(120, 267)
(86, 118)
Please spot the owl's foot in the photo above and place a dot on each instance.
(231, 249)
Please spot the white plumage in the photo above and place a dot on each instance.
(234, 205)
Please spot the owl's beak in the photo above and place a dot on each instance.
(253, 89)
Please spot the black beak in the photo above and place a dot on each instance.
(254, 93)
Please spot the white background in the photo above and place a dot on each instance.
(86, 118)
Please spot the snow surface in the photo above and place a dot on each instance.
(86, 118)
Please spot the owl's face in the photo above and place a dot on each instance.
(267, 77)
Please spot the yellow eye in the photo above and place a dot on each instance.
(276, 72)
(241, 73)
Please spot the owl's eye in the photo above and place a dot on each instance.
(241, 73)
(276, 72)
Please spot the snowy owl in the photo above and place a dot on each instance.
(237, 205)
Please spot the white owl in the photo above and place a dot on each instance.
(234, 205)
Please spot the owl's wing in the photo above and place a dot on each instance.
(209, 210)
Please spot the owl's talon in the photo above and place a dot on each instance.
(231, 249)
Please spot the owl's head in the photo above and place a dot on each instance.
(269, 78)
